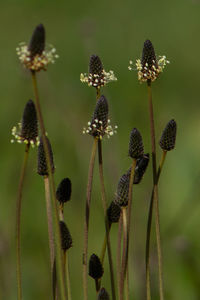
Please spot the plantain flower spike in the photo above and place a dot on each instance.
(136, 148)
(100, 124)
(149, 66)
(63, 192)
(97, 76)
(34, 56)
(42, 163)
(103, 294)
(66, 239)
(168, 138)
(27, 131)
(95, 267)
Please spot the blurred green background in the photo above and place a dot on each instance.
(115, 31)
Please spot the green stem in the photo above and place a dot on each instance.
(155, 193)
(67, 276)
(87, 216)
(18, 223)
(49, 220)
(59, 254)
(103, 196)
(148, 235)
(119, 239)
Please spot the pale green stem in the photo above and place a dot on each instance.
(18, 223)
(59, 255)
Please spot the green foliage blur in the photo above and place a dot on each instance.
(116, 31)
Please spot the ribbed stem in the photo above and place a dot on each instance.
(148, 235)
(87, 216)
(49, 220)
(18, 223)
(59, 255)
(155, 194)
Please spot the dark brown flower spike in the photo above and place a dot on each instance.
(42, 163)
(95, 66)
(141, 166)
(29, 130)
(103, 294)
(136, 148)
(37, 42)
(168, 138)
(95, 267)
(63, 192)
(122, 190)
(113, 212)
(66, 239)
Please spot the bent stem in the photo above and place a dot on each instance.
(49, 220)
(87, 216)
(107, 227)
(149, 224)
(18, 223)
(155, 193)
(59, 255)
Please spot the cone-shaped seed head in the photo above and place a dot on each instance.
(141, 166)
(95, 267)
(103, 294)
(95, 66)
(122, 190)
(64, 189)
(136, 148)
(29, 129)
(168, 138)
(42, 163)
(66, 239)
(148, 55)
(113, 212)
(37, 42)
(100, 117)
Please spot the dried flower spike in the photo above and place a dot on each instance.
(103, 294)
(122, 190)
(95, 267)
(34, 56)
(100, 124)
(42, 163)
(141, 166)
(97, 76)
(63, 192)
(168, 138)
(66, 239)
(149, 66)
(136, 148)
(28, 129)
(113, 212)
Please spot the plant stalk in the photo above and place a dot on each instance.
(87, 216)
(18, 223)
(59, 255)
(155, 193)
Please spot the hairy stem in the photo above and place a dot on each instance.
(87, 216)
(59, 260)
(155, 193)
(18, 223)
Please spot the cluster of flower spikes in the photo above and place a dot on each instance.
(27, 130)
(34, 56)
(100, 124)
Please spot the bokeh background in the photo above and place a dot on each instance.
(114, 30)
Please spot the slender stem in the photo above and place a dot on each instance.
(119, 239)
(87, 215)
(98, 93)
(103, 196)
(67, 276)
(148, 235)
(18, 223)
(59, 254)
(103, 250)
(122, 271)
(155, 194)
(49, 220)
